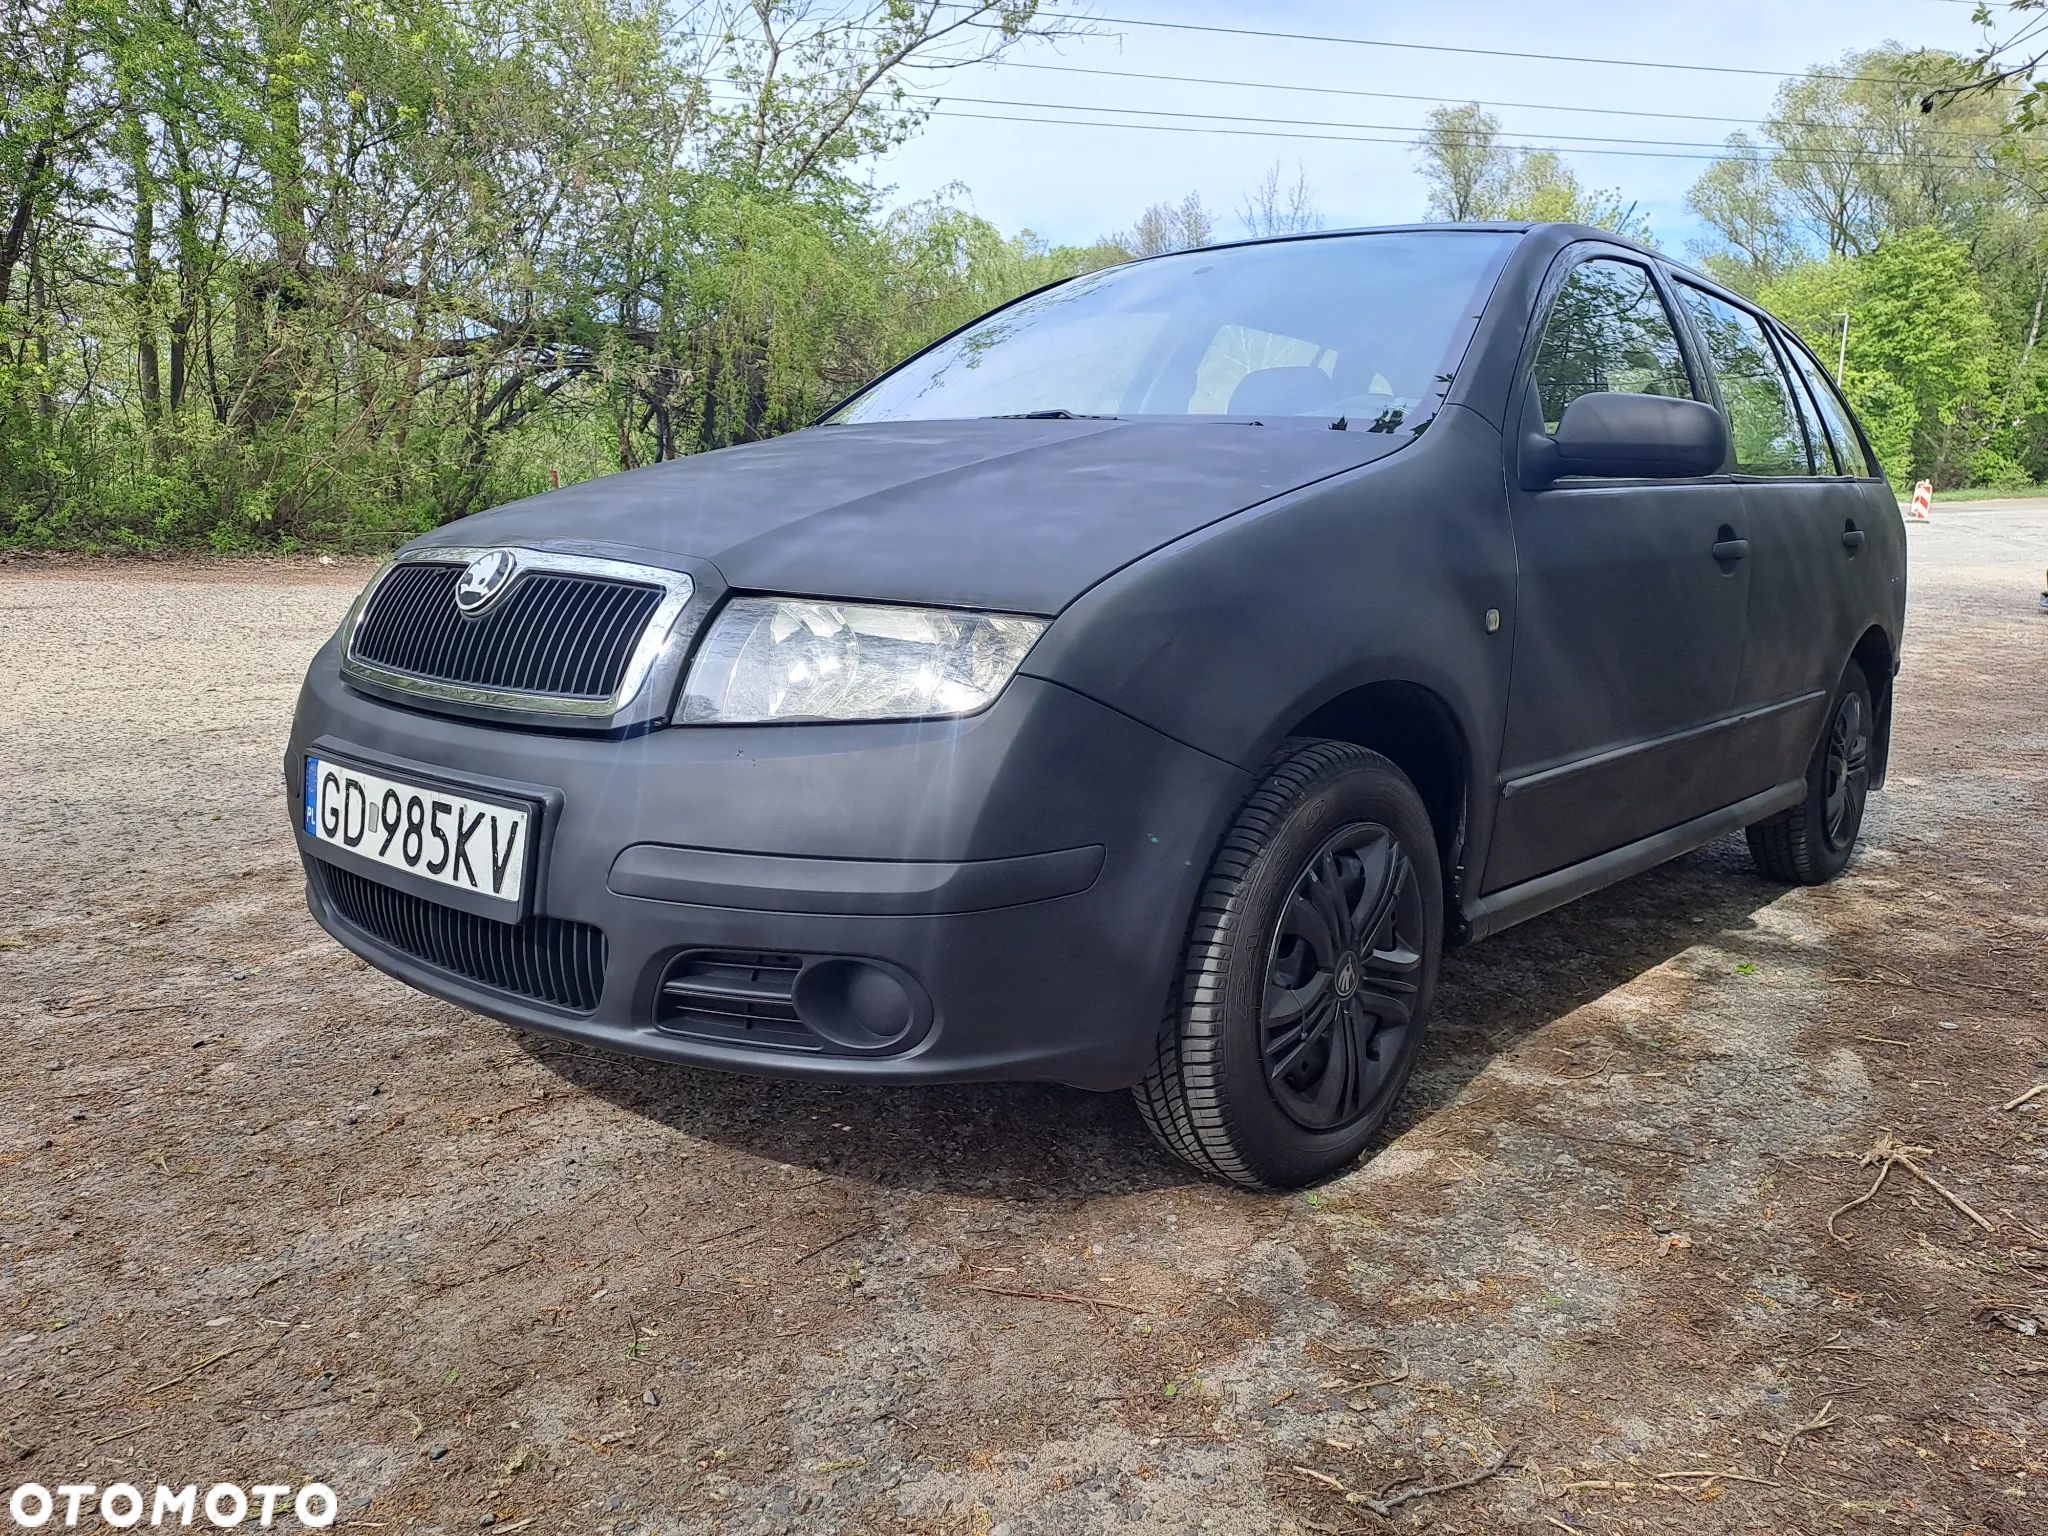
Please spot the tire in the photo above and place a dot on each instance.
(1813, 842)
(1332, 993)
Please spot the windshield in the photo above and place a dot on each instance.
(1361, 327)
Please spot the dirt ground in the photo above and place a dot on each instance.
(268, 1216)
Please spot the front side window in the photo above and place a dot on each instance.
(1848, 446)
(1364, 327)
(1762, 419)
(1607, 332)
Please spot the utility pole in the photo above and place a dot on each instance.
(1842, 352)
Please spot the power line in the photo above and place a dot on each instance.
(1791, 157)
(1337, 90)
(1495, 53)
(1462, 135)
(1340, 138)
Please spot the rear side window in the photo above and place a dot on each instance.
(1607, 331)
(1848, 446)
(1761, 416)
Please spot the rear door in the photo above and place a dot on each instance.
(1797, 504)
(1868, 540)
(1629, 624)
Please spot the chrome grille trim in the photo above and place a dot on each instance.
(647, 647)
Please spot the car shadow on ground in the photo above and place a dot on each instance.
(1045, 1143)
(1494, 994)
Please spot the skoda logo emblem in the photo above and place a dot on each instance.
(483, 579)
(1347, 975)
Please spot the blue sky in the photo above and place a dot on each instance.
(1074, 183)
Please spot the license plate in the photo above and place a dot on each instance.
(472, 845)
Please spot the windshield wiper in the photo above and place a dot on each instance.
(1057, 413)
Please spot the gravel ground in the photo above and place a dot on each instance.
(268, 1216)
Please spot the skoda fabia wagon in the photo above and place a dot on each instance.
(1139, 688)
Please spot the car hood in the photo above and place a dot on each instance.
(1015, 515)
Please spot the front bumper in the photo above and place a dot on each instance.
(1028, 873)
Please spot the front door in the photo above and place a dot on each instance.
(1631, 599)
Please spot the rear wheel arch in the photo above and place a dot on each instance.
(1878, 657)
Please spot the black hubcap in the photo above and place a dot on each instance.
(1847, 780)
(1341, 979)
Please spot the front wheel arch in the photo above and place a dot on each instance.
(1416, 729)
(1211, 1095)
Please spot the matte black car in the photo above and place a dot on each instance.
(1141, 687)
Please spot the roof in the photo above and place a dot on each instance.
(1562, 234)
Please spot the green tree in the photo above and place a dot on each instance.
(1472, 175)
(1163, 227)
(1754, 241)
(1921, 348)
(274, 271)
(1463, 163)
(1274, 207)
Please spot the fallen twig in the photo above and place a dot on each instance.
(1884, 978)
(1715, 1477)
(1389, 1501)
(2032, 1093)
(1606, 1141)
(809, 1254)
(1825, 1419)
(1888, 1152)
(1383, 1381)
(1066, 1296)
(121, 1434)
(191, 1371)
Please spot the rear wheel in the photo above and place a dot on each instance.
(1814, 841)
(1307, 975)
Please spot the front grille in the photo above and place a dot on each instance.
(734, 997)
(548, 959)
(560, 633)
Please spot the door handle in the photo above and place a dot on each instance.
(1731, 549)
(1852, 537)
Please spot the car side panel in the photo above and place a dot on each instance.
(1877, 578)
(1813, 593)
(1624, 709)
(1229, 638)
(1804, 617)
(1623, 706)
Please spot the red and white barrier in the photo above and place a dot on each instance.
(1923, 499)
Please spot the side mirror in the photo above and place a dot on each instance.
(1620, 436)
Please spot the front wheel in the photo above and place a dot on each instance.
(1307, 976)
(1812, 842)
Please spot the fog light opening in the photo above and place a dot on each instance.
(862, 1005)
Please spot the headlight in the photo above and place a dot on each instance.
(781, 658)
